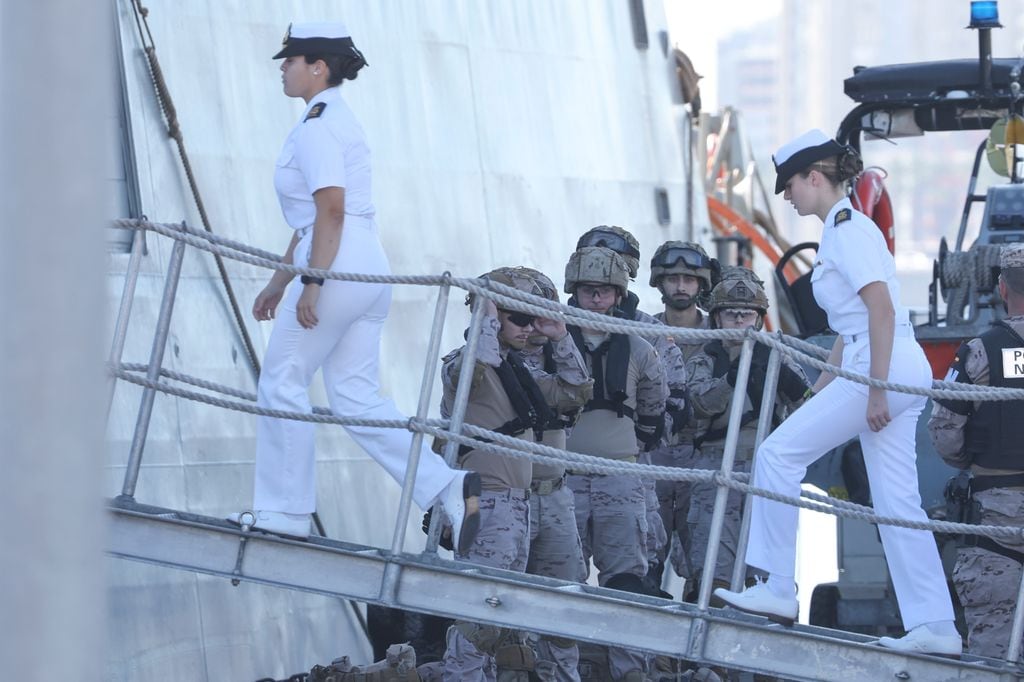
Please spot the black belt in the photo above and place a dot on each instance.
(982, 542)
(982, 483)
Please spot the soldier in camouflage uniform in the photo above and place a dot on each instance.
(737, 302)
(506, 397)
(622, 242)
(684, 274)
(988, 439)
(628, 405)
(555, 548)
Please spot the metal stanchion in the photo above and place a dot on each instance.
(124, 313)
(389, 582)
(764, 424)
(451, 448)
(732, 435)
(156, 358)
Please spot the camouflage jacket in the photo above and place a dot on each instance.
(711, 397)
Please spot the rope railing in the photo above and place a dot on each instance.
(511, 446)
(509, 297)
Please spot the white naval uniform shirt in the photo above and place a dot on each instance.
(852, 255)
(329, 150)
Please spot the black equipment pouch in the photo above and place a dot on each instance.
(958, 498)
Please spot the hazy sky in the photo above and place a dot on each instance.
(696, 27)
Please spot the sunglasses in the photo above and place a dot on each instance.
(738, 314)
(670, 257)
(520, 319)
(609, 240)
(584, 291)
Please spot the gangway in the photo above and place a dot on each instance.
(427, 583)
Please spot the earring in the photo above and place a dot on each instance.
(316, 73)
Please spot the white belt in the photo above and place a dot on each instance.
(902, 330)
(365, 222)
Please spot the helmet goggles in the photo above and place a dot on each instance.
(609, 240)
(690, 257)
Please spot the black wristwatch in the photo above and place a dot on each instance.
(306, 279)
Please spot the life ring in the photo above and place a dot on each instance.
(871, 198)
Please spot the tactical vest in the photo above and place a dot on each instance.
(532, 410)
(718, 425)
(609, 366)
(994, 435)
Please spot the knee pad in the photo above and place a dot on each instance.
(485, 638)
(626, 582)
(517, 657)
(560, 642)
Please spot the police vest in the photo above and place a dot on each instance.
(994, 435)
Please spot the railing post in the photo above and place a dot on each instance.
(429, 372)
(764, 424)
(124, 313)
(1013, 653)
(156, 358)
(451, 448)
(732, 435)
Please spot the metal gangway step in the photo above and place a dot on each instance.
(427, 583)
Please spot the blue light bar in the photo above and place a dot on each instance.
(985, 14)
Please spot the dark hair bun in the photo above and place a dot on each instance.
(849, 164)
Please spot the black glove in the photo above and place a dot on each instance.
(446, 533)
(791, 384)
(758, 365)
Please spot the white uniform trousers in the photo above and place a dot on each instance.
(346, 344)
(828, 420)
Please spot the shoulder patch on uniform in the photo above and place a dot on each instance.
(842, 216)
(315, 112)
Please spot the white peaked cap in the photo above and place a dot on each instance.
(795, 156)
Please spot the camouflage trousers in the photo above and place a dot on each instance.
(503, 542)
(556, 552)
(674, 506)
(986, 582)
(702, 505)
(657, 537)
(611, 515)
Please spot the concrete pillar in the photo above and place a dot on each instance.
(56, 141)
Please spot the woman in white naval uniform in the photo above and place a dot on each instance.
(323, 184)
(854, 282)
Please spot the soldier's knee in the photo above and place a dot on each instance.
(561, 642)
(486, 638)
(514, 662)
(626, 582)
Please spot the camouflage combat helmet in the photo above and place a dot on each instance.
(739, 288)
(598, 265)
(547, 287)
(518, 278)
(740, 272)
(681, 258)
(616, 238)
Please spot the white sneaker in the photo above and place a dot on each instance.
(461, 504)
(760, 601)
(279, 523)
(922, 640)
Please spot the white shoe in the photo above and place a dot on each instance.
(279, 523)
(921, 640)
(461, 504)
(760, 601)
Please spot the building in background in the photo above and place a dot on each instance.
(786, 75)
